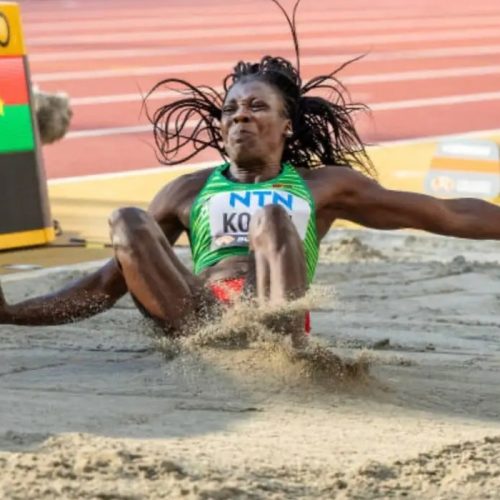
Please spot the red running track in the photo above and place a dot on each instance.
(431, 68)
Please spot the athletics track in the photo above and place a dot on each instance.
(431, 69)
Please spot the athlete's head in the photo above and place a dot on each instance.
(255, 121)
(263, 112)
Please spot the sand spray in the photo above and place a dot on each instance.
(240, 339)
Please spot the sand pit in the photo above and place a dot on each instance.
(400, 398)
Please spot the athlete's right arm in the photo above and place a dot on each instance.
(81, 299)
(98, 291)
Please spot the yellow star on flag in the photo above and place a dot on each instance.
(1, 108)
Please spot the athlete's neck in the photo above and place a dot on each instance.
(250, 174)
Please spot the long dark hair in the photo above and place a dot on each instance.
(323, 128)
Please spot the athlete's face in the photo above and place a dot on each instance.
(254, 124)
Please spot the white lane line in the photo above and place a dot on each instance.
(117, 98)
(430, 74)
(435, 101)
(90, 11)
(103, 132)
(166, 94)
(30, 29)
(437, 138)
(251, 32)
(383, 56)
(124, 72)
(208, 164)
(205, 20)
(181, 69)
(216, 21)
(212, 14)
(479, 50)
(202, 33)
(204, 67)
(133, 173)
(381, 106)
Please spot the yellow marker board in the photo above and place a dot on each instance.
(11, 34)
(25, 216)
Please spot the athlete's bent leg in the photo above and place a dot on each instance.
(155, 276)
(280, 264)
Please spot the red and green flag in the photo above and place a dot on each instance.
(16, 127)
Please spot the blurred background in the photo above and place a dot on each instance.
(431, 70)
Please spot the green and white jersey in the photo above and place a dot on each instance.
(221, 213)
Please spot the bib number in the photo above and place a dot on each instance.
(230, 214)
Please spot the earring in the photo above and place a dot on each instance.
(289, 134)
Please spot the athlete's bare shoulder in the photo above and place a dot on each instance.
(189, 183)
(330, 184)
(176, 197)
(326, 174)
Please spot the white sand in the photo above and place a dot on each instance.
(93, 410)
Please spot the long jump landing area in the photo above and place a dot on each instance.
(92, 410)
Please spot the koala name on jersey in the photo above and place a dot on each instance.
(230, 214)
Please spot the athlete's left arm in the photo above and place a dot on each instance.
(355, 197)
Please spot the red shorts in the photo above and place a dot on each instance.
(226, 291)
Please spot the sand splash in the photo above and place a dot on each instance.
(350, 250)
(241, 340)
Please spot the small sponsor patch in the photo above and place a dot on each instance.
(224, 240)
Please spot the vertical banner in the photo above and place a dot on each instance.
(25, 216)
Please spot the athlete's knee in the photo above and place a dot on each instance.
(270, 225)
(268, 217)
(129, 227)
(128, 216)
